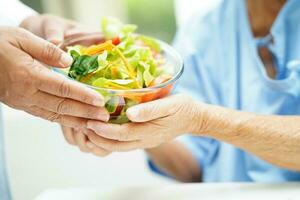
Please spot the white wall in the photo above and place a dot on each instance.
(39, 159)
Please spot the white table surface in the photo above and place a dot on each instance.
(219, 191)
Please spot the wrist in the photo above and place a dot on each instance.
(198, 121)
(219, 122)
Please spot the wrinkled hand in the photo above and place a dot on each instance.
(52, 28)
(78, 137)
(27, 84)
(152, 124)
(55, 30)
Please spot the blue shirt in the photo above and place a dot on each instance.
(223, 67)
(4, 188)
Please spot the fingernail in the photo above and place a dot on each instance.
(133, 112)
(90, 145)
(66, 60)
(103, 116)
(98, 101)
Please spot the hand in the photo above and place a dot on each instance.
(78, 137)
(27, 84)
(154, 123)
(55, 30)
(52, 28)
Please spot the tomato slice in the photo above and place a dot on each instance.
(116, 40)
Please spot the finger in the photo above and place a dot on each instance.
(97, 151)
(81, 140)
(68, 134)
(64, 120)
(44, 51)
(124, 132)
(112, 145)
(69, 107)
(56, 84)
(54, 30)
(75, 32)
(154, 110)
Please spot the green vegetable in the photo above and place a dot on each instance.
(112, 27)
(102, 60)
(151, 43)
(133, 62)
(112, 104)
(82, 65)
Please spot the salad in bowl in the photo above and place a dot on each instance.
(124, 67)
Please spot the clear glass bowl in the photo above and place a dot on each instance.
(128, 98)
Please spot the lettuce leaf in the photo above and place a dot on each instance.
(82, 65)
(151, 43)
(112, 27)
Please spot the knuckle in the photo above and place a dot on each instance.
(64, 89)
(62, 107)
(54, 117)
(50, 52)
(22, 34)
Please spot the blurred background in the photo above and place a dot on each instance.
(38, 156)
(153, 17)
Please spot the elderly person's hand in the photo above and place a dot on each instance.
(53, 28)
(273, 138)
(27, 84)
(152, 124)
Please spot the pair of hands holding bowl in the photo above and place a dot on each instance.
(79, 109)
(152, 115)
(152, 124)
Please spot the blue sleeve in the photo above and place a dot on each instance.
(156, 169)
(202, 148)
(191, 42)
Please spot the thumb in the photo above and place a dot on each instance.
(153, 110)
(44, 51)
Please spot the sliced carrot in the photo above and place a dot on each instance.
(98, 49)
(114, 71)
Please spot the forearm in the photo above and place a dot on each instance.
(275, 139)
(176, 160)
